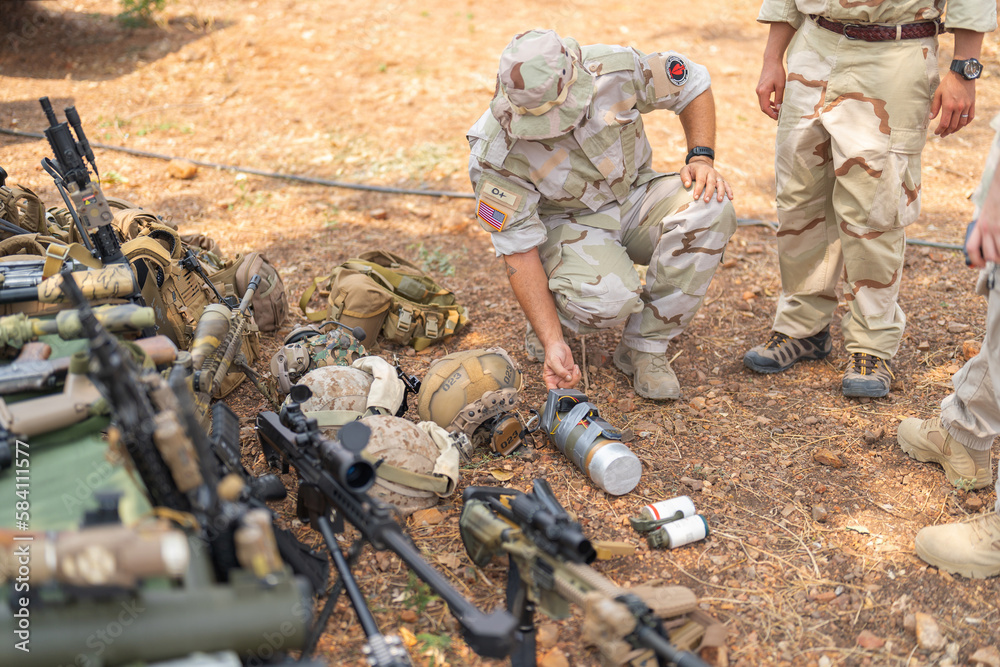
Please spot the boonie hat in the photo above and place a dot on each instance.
(542, 90)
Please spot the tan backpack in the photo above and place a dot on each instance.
(383, 293)
(270, 301)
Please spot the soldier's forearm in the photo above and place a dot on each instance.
(778, 39)
(968, 44)
(698, 121)
(531, 287)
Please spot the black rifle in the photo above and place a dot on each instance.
(333, 478)
(550, 567)
(128, 392)
(84, 199)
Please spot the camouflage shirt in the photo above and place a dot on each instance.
(976, 15)
(599, 162)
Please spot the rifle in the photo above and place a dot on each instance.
(333, 477)
(78, 400)
(18, 329)
(549, 567)
(84, 199)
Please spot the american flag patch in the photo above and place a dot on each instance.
(492, 216)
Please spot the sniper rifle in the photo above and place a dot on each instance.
(333, 478)
(550, 567)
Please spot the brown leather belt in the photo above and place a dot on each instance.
(873, 32)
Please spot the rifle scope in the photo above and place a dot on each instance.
(563, 533)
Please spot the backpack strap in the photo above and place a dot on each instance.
(316, 315)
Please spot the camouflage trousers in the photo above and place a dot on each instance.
(847, 166)
(972, 413)
(590, 260)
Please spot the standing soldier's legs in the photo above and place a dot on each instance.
(809, 253)
(961, 440)
(878, 100)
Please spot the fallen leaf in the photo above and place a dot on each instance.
(502, 475)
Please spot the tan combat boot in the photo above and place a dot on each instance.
(969, 548)
(653, 376)
(928, 440)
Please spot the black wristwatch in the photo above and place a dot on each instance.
(967, 69)
(700, 151)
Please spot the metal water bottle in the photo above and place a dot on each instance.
(574, 425)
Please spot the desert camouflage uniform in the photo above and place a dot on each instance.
(593, 206)
(972, 413)
(850, 132)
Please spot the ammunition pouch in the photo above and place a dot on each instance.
(383, 293)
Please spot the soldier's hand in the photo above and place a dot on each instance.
(560, 371)
(771, 87)
(955, 100)
(707, 181)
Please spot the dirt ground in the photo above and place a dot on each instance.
(381, 93)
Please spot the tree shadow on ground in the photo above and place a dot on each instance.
(41, 43)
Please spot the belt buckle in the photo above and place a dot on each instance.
(847, 28)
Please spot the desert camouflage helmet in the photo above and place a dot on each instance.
(418, 463)
(463, 389)
(337, 390)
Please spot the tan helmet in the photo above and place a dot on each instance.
(339, 395)
(463, 389)
(410, 475)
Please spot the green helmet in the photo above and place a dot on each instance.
(464, 389)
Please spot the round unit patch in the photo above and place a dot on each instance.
(677, 71)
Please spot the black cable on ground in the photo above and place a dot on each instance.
(742, 222)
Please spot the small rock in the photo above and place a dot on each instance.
(430, 516)
(825, 596)
(748, 295)
(827, 457)
(698, 403)
(730, 262)
(378, 213)
(743, 305)
(787, 510)
(970, 348)
(408, 616)
(928, 633)
(764, 421)
(986, 656)
(820, 514)
(718, 459)
(869, 640)
(548, 635)
(973, 503)
(554, 658)
(182, 169)
(755, 249)
(957, 327)
(910, 622)
(810, 420)
(871, 437)
(694, 484)
(923, 346)
(679, 427)
(626, 405)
